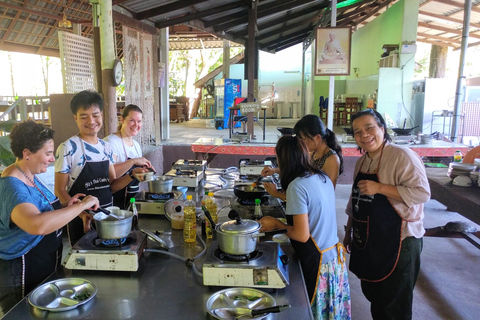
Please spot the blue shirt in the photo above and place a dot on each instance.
(14, 242)
(316, 197)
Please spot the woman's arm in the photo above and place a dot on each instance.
(331, 167)
(61, 180)
(27, 216)
(300, 230)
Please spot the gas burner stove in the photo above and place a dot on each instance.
(186, 178)
(94, 253)
(186, 164)
(403, 139)
(159, 196)
(346, 138)
(251, 202)
(154, 203)
(267, 267)
(253, 167)
(237, 258)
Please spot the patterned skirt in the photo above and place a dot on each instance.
(332, 299)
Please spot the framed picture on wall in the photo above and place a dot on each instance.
(332, 51)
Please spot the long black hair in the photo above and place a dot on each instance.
(378, 119)
(293, 160)
(311, 125)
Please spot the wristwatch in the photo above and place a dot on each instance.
(130, 174)
(347, 229)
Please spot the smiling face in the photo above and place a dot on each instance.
(132, 124)
(40, 160)
(89, 121)
(368, 134)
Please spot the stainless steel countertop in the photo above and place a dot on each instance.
(162, 288)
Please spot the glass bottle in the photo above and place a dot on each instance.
(211, 206)
(189, 220)
(457, 157)
(258, 210)
(133, 207)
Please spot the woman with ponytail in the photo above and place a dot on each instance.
(325, 152)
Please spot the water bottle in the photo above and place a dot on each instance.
(457, 157)
(135, 214)
(258, 210)
(189, 220)
(211, 206)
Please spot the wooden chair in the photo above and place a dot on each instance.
(351, 107)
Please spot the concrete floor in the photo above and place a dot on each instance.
(448, 286)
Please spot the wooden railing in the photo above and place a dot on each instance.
(21, 108)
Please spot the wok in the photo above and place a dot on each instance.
(247, 192)
(285, 131)
(403, 132)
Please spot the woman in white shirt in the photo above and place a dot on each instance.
(127, 152)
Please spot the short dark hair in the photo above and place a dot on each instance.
(29, 135)
(293, 160)
(378, 118)
(86, 99)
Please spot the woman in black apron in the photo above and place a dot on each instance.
(32, 247)
(127, 160)
(383, 256)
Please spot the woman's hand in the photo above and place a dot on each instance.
(268, 171)
(347, 240)
(142, 162)
(90, 203)
(75, 199)
(369, 187)
(270, 223)
(271, 189)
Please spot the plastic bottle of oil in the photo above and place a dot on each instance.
(212, 208)
(190, 220)
(258, 210)
(135, 214)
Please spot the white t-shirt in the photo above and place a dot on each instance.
(117, 145)
(71, 156)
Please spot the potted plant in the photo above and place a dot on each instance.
(6, 155)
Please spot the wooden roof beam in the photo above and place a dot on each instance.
(459, 32)
(446, 18)
(165, 9)
(374, 11)
(36, 12)
(459, 5)
(436, 37)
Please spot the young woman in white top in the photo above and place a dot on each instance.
(127, 152)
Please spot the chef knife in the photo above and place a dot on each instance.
(236, 313)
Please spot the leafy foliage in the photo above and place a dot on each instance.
(6, 155)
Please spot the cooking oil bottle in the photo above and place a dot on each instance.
(135, 214)
(190, 220)
(212, 208)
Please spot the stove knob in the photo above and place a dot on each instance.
(285, 259)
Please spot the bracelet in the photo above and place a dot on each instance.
(130, 174)
(347, 229)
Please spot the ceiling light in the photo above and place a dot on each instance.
(64, 23)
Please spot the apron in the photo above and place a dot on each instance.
(93, 180)
(122, 197)
(377, 232)
(310, 257)
(43, 259)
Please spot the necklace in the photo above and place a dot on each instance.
(34, 184)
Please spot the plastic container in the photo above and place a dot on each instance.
(258, 210)
(211, 206)
(457, 156)
(189, 220)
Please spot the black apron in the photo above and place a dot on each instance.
(122, 197)
(43, 259)
(377, 232)
(93, 180)
(310, 257)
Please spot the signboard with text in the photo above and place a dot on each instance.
(247, 107)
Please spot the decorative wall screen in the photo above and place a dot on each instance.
(469, 120)
(78, 62)
(139, 89)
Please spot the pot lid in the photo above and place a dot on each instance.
(239, 226)
(173, 206)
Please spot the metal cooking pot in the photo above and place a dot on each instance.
(247, 192)
(160, 184)
(285, 131)
(239, 237)
(112, 228)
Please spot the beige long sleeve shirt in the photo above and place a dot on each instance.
(403, 168)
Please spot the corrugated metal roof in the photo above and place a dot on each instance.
(32, 25)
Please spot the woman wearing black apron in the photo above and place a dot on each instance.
(385, 226)
(127, 153)
(32, 217)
